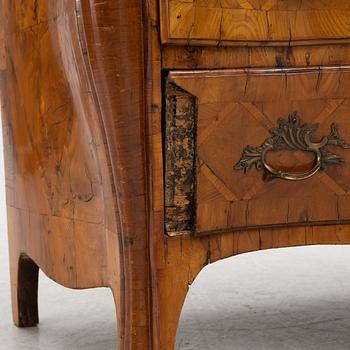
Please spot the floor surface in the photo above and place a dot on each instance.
(296, 298)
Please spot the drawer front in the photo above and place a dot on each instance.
(296, 170)
(255, 22)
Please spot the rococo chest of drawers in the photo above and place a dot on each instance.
(146, 139)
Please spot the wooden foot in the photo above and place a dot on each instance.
(133, 322)
(171, 296)
(24, 290)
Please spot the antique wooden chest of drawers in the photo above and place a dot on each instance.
(146, 139)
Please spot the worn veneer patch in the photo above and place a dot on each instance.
(179, 159)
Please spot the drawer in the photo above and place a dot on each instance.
(256, 148)
(255, 22)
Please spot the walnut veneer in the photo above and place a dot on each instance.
(123, 121)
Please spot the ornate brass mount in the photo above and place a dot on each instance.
(291, 135)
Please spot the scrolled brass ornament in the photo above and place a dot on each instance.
(291, 135)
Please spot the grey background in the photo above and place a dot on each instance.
(296, 298)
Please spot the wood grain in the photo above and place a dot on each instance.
(82, 99)
(205, 57)
(250, 103)
(118, 74)
(67, 153)
(248, 22)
